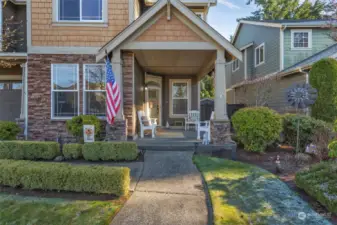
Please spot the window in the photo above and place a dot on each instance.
(64, 87)
(94, 90)
(80, 10)
(235, 65)
(259, 55)
(10, 85)
(16, 85)
(180, 97)
(301, 39)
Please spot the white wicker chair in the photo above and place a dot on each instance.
(206, 127)
(146, 123)
(192, 117)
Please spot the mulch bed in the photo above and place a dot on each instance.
(289, 166)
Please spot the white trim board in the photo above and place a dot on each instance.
(309, 31)
(169, 46)
(63, 50)
(120, 38)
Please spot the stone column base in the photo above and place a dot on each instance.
(220, 131)
(118, 131)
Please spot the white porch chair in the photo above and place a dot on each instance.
(146, 123)
(192, 117)
(205, 126)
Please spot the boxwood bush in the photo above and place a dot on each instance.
(308, 127)
(65, 177)
(75, 125)
(110, 151)
(9, 130)
(29, 150)
(72, 151)
(320, 182)
(256, 127)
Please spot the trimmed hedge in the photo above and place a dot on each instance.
(8, 130)
(308, 127)
(29, 150)
(65, 177)
(110, 151)
(72, 151)
(256, 127)
(320, 182)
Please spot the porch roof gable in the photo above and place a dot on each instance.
(135, 25)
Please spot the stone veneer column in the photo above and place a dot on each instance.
(128, 82)
(40, 126)
(220, 126)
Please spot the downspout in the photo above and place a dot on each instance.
(282, 47)
(26, 100)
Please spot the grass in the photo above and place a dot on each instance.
(320, 181)
(245, 194)
(19, 210)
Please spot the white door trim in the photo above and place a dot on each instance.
(158, 80)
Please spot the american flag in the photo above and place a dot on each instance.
(113, 98)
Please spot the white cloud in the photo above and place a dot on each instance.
(229, 4)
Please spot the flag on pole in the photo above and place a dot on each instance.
(113, 97)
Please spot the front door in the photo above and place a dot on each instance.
(154, 104)
(153, 97)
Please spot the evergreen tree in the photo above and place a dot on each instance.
(207, 87)
(287, 9)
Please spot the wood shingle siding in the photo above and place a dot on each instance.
(46, 33)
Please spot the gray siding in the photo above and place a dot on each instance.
(259, 34)
(320, 41)
(10, 101)
(276, 97)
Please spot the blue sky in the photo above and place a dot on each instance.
(223, 16)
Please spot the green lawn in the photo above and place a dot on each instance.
(19, 210)
(245, 194)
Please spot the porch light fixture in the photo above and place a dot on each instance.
(146, 88)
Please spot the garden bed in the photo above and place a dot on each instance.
(267, 162)
(245, 194)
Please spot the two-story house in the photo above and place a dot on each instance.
(277, 55)
(159, 51)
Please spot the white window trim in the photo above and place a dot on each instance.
(80, 22)
(309, 31)
(52, 91)
(172, 81)
(264, 55)
(233, 63)
(84, 89)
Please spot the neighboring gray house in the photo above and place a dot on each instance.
(277, 54)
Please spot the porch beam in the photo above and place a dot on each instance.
(220, 107)
(169, 46)
(206, 67)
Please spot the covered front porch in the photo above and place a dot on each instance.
(158, 62)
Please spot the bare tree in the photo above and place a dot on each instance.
(11, 38)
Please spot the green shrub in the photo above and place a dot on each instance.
(256, 127)
(72, 151)
(333, 149)
(9, 130)
(320, 182)
(323, 77)
(308, 126)
(65, 177)
(110, 151)
(31, 150)
(75, 125)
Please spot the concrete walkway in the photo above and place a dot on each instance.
(169, 192)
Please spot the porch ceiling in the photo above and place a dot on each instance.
(174, 62)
